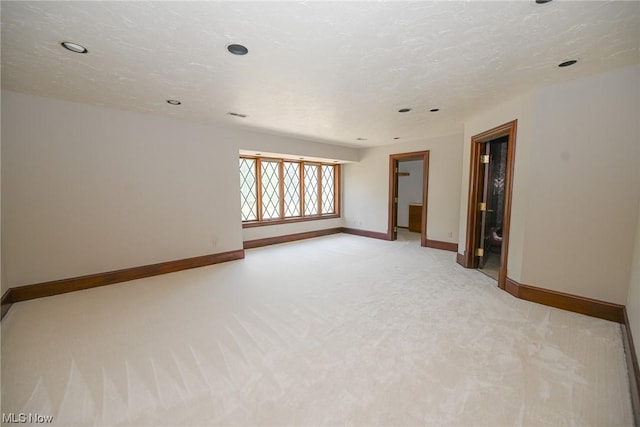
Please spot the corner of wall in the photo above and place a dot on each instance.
(633, 296)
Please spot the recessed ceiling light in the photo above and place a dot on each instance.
(567, 63)
(74, 47)
(237, 49)
(173, 102)
(361, 139)
(404, 110)
(236, 114)
(433, 110)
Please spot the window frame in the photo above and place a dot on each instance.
(282, 219)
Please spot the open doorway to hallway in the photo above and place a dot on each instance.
(409, 217)
(408, 189)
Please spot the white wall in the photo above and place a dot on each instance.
(409, 189)
(87, 189)
(366, 195)
(266, 231)
(583, 203)
(576, 183)
(633, 298)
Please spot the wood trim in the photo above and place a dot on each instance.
(472, 201)
(460, 259)
(281, 187)
(508, 196)
(470, 260)
(259, 188)
(392, 194)
(302, 193)
(633, 371)
(425, 198)
(393, 188)
(577, 304)
(446, 246)
(56, 287)
(319, 175)
(365, 233)
(6, 303)
(337, 188)
(257, 243)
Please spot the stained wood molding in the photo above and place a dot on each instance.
(249, 244)
(365, 233)
(447, 246)
(56, 287)
(462, 260)
(6, 303)
(633, 371)
(577, 304)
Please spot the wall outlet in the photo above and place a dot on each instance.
(451, 234)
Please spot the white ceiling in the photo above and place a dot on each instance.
(324, 71)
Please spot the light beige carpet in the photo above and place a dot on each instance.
(339, 330)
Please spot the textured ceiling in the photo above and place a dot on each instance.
(326, 71)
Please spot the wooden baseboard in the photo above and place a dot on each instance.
(446, 246)
(56, 287)
(632, 366)
(460, 260)
(249, 244)
(365, 233)
(577, 304)
(6, 303)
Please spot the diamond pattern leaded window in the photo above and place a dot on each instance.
(311, 189)
(291, 189)
(248, 199)
(270, 190)
(279, 189)
(327, 189)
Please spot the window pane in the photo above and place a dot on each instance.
(248, 199)
(270, 190)
(310, 189)
(327, 189)
(291, 189)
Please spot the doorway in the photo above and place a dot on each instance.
(489, 207)
(494, 160)
(416, 210)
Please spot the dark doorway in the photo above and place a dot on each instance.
(500, 143)
(494, 162)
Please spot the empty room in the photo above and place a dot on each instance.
(320, 213)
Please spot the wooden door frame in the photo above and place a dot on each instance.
(393, 161)
(470, 260)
